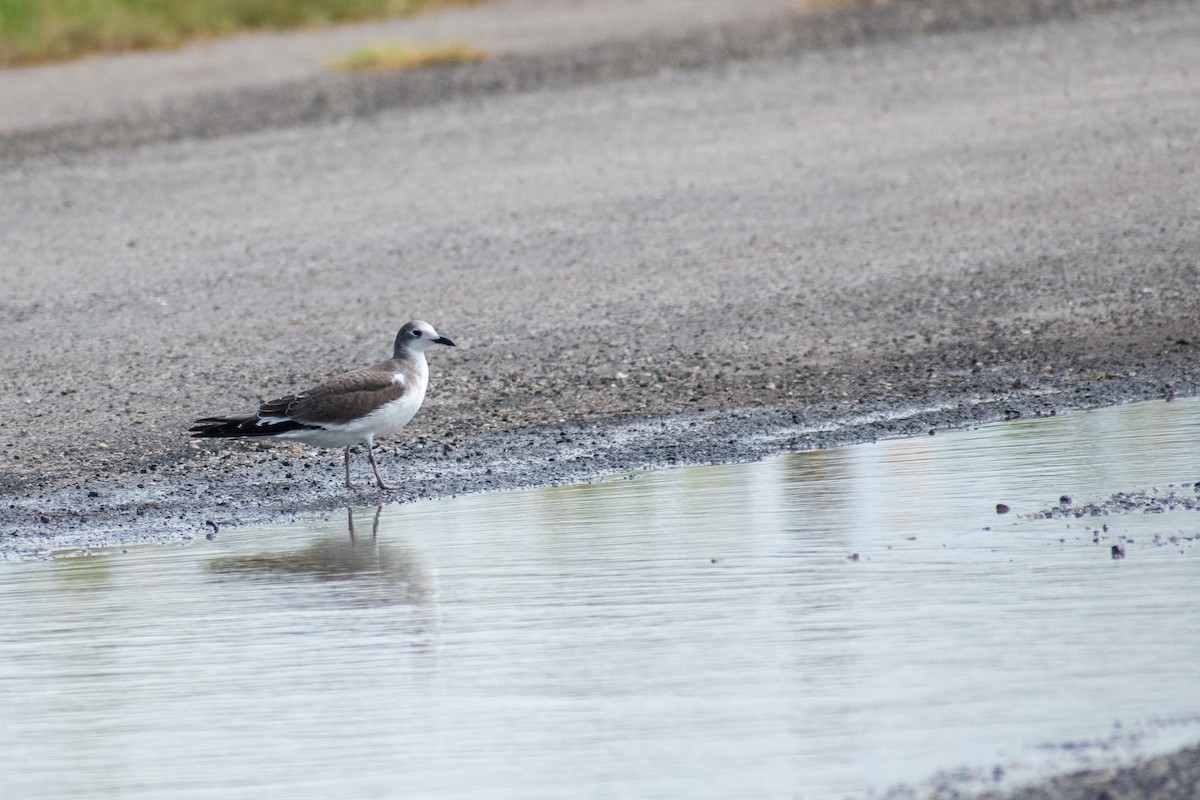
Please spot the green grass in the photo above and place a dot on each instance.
(403, 56)
(32, 31)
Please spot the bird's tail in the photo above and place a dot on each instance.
(243, 425)
(214, 427)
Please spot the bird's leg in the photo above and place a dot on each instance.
(346, 455)
(374, 466)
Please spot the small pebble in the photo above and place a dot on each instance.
(1118, 552)
(1002, 508)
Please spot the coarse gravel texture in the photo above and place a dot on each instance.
(1173, 776)
(1170, 777)
(703, 245)
(1153, 500)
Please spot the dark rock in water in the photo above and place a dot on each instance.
(1002, 508)
(1118, 551)
(1065, 500)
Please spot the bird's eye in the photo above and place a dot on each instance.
(416, 334)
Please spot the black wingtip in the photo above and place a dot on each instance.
(242, 427)
(214, 427)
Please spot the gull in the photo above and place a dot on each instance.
(350, 409)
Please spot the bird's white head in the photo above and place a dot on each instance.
(415, 336)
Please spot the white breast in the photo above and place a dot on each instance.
(395, 415)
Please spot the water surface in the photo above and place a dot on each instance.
(700, 633)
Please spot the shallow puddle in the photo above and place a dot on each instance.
(700, 633)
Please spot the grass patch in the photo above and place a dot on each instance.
(32, 31)
(404, 56)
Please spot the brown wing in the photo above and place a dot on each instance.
(341, 399)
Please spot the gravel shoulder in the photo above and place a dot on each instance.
(858, 241)
(658, 245)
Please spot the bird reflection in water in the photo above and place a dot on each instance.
(371, 572)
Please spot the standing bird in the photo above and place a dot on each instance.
(347, 410)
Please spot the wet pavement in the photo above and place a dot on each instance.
(824, 624)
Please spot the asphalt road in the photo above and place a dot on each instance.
(675, 256)
(988, 222)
